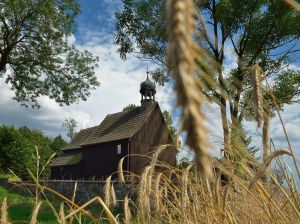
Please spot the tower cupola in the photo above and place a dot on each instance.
(147, 90)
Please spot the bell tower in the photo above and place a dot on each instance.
(148, 91)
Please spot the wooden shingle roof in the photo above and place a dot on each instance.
(67, 159)
(117, 126)
(79, 138)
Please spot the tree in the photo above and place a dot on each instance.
(255, 30)
(284, 90)
(129, 107)
(15, 151)
(18, 150)
(57, 144)
(35, 55)
(169, 123)
(70, 125)
(38, 141)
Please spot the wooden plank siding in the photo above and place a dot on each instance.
(101, 160)
(98, 162)
(152, 134)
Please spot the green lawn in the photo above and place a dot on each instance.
(20, 209)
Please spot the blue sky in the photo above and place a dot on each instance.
(120, 86)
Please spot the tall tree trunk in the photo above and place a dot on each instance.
(239, 89)
(226, 133)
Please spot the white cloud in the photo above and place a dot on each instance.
(119, 87)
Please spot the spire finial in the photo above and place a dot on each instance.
(147, 72)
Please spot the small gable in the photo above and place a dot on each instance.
(67, 159)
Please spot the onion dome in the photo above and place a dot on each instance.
(147, 86)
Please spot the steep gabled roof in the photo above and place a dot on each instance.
(80, 137)
(117, 126)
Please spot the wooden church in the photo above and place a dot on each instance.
(95, 152)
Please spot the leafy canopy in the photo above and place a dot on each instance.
(17, 150)
(130, 107)
(70, 125)
(260, 32)
(36, 57)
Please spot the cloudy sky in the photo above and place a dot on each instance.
(120, 86)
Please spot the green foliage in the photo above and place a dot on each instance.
(254, 29)
(34, 45)
(286, 88)
(241, 141)
(13, 196)
(141, 28)
(57, 144)
(129, 107)
(70, 125)
(169, 123)
(17, 150)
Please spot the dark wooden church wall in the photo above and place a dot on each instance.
(153, 133)
(73, 172)
(101, 160)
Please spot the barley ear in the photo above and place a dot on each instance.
(144, 194)
(107, 191)
(127, 213)
(182, 54)
(62, 214)
(113, 196)
(120, 171)
(4, 213)
(258, 98)
(261, 171)
(35, 213)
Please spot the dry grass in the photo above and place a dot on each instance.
(190, 198)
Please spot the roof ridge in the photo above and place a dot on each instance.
(88, 128)
(125, 112)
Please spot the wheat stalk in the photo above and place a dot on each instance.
(107, 191)
(35, 213)
(113, 196)
(182, 56)
(61, 219)
(4, 213)
(144, 194)
(157, 193)
(267, 162)
(256, 82)
(127, 213)
(120, 171)
(293, 4)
